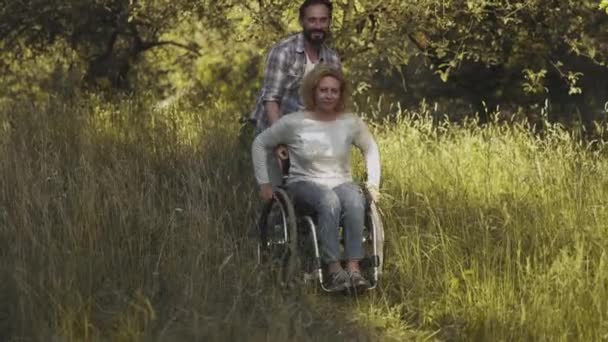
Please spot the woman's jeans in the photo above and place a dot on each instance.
(344, 204)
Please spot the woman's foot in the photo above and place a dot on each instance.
(356, 277)
(338, 281)
(358, 281)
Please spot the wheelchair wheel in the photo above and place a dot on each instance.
(374, 263)
(278, 237)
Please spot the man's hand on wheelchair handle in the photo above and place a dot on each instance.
(266, 192)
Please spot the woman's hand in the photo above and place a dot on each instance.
(281, 152)
(266, 192)
(374, 193)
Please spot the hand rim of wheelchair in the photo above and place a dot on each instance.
(288, 243)
(290, 237)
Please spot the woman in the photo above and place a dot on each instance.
(319, 140)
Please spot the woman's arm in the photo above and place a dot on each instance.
(365, 142)
(265, 143)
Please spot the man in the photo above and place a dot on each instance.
(287, 63)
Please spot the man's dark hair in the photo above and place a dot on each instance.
(308, 3)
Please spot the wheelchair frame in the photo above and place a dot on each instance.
(291, 229)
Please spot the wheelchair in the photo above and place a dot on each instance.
(289, 241)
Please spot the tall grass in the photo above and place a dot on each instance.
(122, 223)
(495, 233)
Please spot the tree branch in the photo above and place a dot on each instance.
(193, 48)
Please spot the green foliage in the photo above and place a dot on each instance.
(222, 73)
(108, 35)
(482, 49)
(511, 37)
(32, 76)
(534, 81)
(471, 51)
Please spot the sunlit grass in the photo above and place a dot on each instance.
(494, 232)
(123, 222)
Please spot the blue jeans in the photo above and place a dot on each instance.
(344, 204)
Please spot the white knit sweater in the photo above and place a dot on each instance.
(319, 151)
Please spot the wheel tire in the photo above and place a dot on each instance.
(290, 256)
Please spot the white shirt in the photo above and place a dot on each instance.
(309, 65)
(319, 151)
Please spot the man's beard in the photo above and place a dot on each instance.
(313, 37)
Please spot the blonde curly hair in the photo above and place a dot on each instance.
(311, 82)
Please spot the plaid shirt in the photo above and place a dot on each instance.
(283, 75)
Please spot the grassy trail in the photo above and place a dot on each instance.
(120, 223)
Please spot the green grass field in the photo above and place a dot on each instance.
(124, 223)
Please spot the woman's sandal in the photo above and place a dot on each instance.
(358, 281)
(338, 281)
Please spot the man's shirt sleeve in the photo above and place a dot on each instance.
(275, 75)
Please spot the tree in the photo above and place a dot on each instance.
(469, 51)
(108, 35)
(479, 50)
